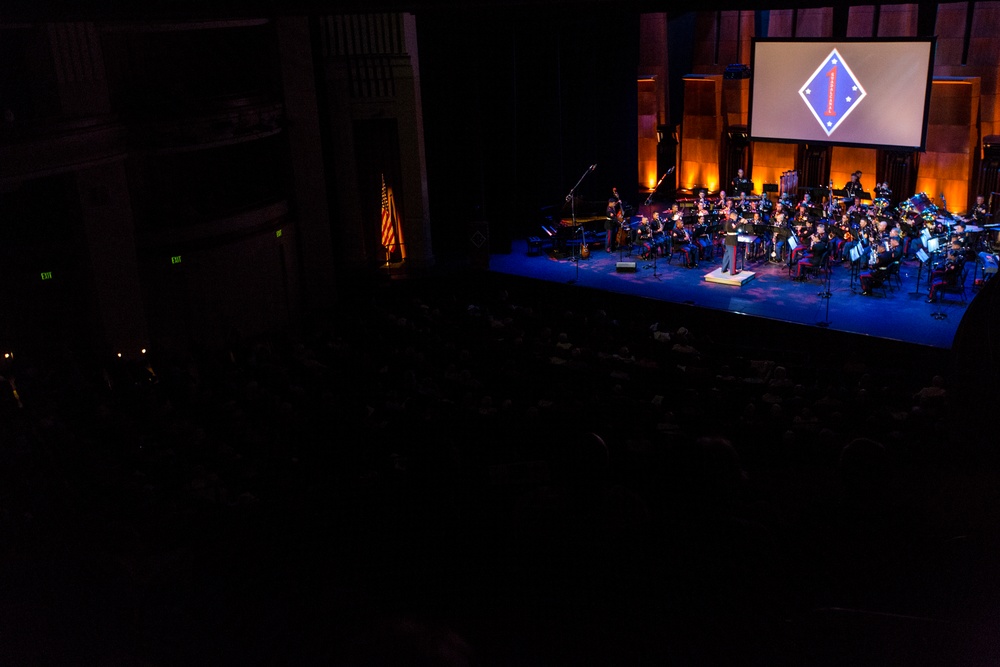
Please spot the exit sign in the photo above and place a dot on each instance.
(46, 275)
(278, 233)
(176, 259)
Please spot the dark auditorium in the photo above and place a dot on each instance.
(493, 333)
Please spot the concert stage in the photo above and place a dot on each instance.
(898, 313)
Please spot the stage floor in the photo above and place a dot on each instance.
(901, 314)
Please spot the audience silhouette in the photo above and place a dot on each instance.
(482, 471)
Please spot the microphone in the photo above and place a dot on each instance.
(593, 167)
(669, 171)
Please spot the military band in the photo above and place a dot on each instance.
(872, 236)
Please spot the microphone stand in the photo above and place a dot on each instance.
(654, 251)
(576, 260)
(572, 207)
(826, 294)
(649, 199)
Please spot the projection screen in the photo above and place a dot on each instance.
(870, 93)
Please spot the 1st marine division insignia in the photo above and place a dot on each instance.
(832, 92)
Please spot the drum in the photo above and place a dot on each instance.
(993, 234)
(917, 204)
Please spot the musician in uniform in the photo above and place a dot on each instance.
(656, 231)
(611, 223)
(946, 276)
(834, 209)
(766, 207)
(958, 234)
(882, 191)
(896, 234)
(860, 236)
(644, 238)
(839, 236)
(853, 188)
(756, 224)
(806, 209)
(680, 238)
(703, 199)
(740, 184)
(980, 212)
(743, 205)
(731, 229)
(803, 226)
(879, 271)
(961, 250)
(779, 237)
(881, 232)
(721, 203)
(857, 210)
(703, 212)
(819, 246)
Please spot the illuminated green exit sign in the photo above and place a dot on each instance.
(176, 259)
(46, 275)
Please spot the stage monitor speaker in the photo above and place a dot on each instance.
(625, 267)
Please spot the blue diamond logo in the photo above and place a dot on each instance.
(832, 92)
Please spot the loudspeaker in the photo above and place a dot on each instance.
(625, 267)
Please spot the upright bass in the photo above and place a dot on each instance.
(623, 236)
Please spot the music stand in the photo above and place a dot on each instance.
(855, 257)
(792, 244)
(924, 261)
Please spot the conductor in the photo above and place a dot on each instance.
(731, 228)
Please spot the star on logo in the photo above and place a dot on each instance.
(838, 92)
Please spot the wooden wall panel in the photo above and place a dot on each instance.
(950, 31)
(859, 21)
(701, 132)
(648, 123)
(897, 21)
(770, 160)
(779, 23)
(703, 53)
(947, 167)
(984, 54)
(736, 101)
(817, 22)
(846, 160)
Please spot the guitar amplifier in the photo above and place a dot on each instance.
(625, 267)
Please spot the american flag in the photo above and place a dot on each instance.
(392, 238)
